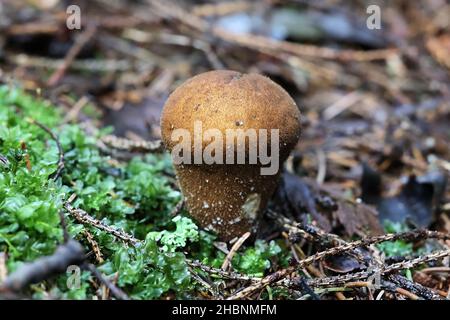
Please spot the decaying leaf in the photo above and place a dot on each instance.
(304, 196)
(414, 204)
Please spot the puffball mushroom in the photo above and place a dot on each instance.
(227, 195)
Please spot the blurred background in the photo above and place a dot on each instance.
(371, 78)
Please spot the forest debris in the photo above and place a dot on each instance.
(70, 253)
(115, 291)
(407, 293)
(439, 48)
(300, 199)
(227, 262)
(384, 269)
(436, 269)
(71, 54)
(94, 245)
(331, 281)
(73, 113)
(341, 105)
(344, 263)
(177, 209)
(415, 203)
(168, 9)
(88, 65)
(83, 217)
(415, 288)
(232, 275)
(132, 145)
(300, 283)
(356, 218)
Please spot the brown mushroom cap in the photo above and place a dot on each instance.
(227, 198)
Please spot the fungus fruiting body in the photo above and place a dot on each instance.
(229, 133)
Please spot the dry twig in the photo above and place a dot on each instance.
(94, 245)
(131, 145)
(115, 291)
(70, 253)
(83, 217)
(226, 263)
(72, 53)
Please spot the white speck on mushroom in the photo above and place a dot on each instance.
(205, 205)
(210, 227)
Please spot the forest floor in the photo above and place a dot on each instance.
(89, 202)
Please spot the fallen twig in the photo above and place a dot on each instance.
(268, 280)
(115, 291)
(413, 287)
(301, 284)
(234, 249)
(95, 246)
(83, 217)
(341, 279)
(72, 53)
(177, 209)
(231, 275)
(332, 281)
(62, 221)
(131, 145)
(168, 9)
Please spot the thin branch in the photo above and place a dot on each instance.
(407, 264)
(63, 223)
(115, 291)
(168, 9)
(177, 209)
(410, 235)
(131, 145)
(415, 288)
(234, 249)
(95, 246)
(80, 42)
(231, 275)
(70, 253)
(84, 218)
